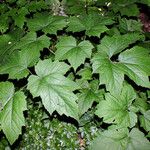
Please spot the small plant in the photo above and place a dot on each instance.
(74, 74)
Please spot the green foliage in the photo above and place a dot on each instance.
(93, 24)
(46, 23)
(11, 116)
(121, 139)
(117, 109)
(54, 89)
(85, 64)
(67, 48)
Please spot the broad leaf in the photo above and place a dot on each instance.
(131, 62)
(135, 63)
(120, 139)
(137, 141)
(116, 108)
(126, 7)
(54, 89)
(47, 23)
(130, 10)
(94, 25)
(11, 115)
(31, 42)
(67, 48)
(110, 139)
(19, 61)
(7, 42)
(117, 43)
(110, 73)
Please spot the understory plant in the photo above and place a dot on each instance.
(74, 75)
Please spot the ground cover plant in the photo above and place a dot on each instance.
(74, 74)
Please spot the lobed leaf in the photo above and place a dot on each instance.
(54, 89)
(67, 48)
(11, 115)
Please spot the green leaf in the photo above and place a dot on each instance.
(137, 141)
(93, 24)
(47, 23)
(129, 25)
(67, 48)
(86, 99)
(145, 120)
(19, 61)
(117, 43)
(120, 139)
(116, 108)
(135, 63)
(11, 115)
(7, 42)
(148, 93)
(75, 7)
(31, 42)
(110, 73)
(4, 23)
(145, 2)
(88, 96)
(19, 16)
(130, 10)
(35, 6)
(126, 7)
(110, 140)
(54, 89)
(131, 62)
(141, 104)
(86, 73)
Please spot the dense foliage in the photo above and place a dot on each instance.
(74, 74)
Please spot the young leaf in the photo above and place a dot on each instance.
(67, 48)
(88, 96)
(85, 73)
(11, 115)
(54, 89)
(145, 120)
(116, 108)
(141, 104)
(19, 16)
(47, 23)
